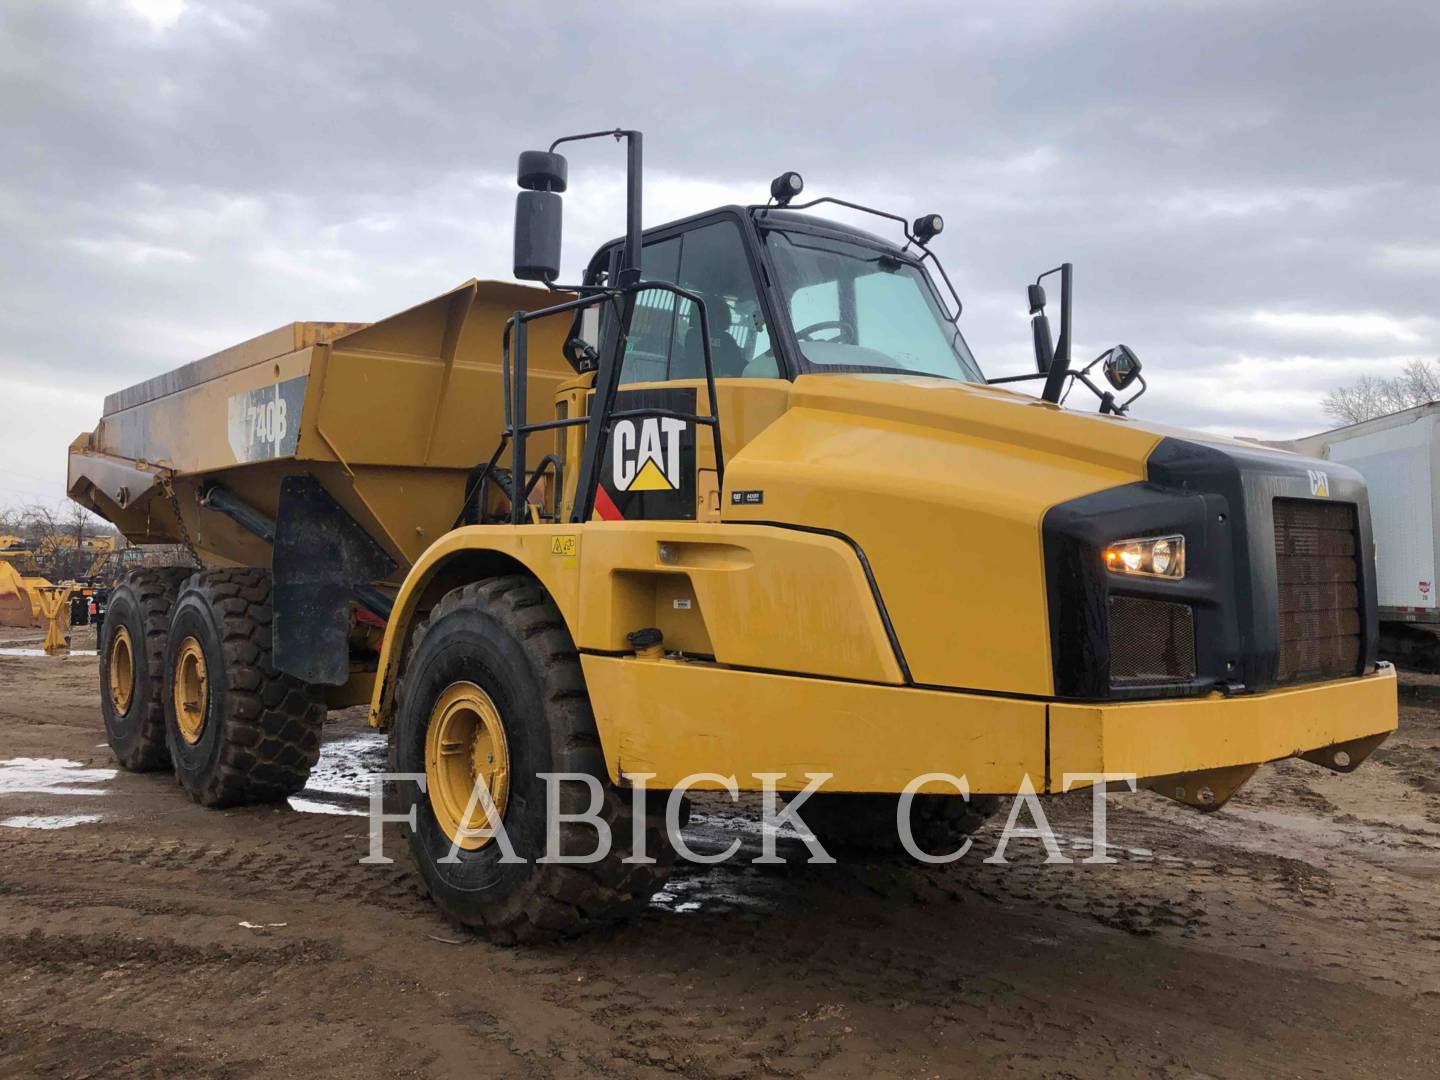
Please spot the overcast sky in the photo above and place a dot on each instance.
(1248, 190)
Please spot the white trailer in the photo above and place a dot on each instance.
(1399, 456)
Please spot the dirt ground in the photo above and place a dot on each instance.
(1294, 933)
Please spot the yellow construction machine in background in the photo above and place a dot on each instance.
(19, 596)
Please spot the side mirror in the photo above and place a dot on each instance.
(582, 355)
(1040, 330)
(538, 215)
(1121, 367)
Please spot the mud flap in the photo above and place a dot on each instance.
(323, 562)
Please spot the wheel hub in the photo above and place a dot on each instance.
(122, 671)
(191, 691)
(466, 749)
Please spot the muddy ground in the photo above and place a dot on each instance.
(1295, 933)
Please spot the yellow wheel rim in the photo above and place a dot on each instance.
(122, 672)
(465, 746)
(191, 691)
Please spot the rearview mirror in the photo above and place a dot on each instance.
(1121, 366)
(1040, 330)
(538, 215)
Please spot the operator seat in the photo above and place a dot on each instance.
(725, 353)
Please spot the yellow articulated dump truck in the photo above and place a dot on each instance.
(738, 504)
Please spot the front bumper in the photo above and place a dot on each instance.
(1181, 735)
(673, 720)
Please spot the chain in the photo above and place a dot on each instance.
(180, 521)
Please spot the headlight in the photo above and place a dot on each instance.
(1153, 556)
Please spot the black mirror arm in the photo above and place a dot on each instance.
(1125, 405)
(1083, 377)
(1060, 365)
(634, 148)
(1107, 398)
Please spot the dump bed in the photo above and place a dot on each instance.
(389, 417)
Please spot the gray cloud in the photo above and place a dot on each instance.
(1248, 190)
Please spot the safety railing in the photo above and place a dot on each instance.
(602, 414)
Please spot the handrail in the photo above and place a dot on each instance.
(602, 413)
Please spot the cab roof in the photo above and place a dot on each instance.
(773, 216)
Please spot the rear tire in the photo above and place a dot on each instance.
(132, 666)
(244, 731)
(867, 823)
(506, 639)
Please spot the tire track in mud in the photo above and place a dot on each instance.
(28, 1048)
(1162, 964)
(1241, 899)
(110, 975)
(154, 992)
(764, 916)
(310, 857)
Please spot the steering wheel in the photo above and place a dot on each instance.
(847, 330)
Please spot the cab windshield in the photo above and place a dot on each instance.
(861, 308)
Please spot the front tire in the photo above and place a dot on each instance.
(493, 679)
(132, 666)
(239, 730)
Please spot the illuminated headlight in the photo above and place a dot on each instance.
(1154, 556)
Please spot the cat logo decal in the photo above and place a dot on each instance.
(647, 454)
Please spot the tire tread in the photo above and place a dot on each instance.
(154, 589)
(272, 721)
(567, 899)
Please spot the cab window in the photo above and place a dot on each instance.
(856, 307)
(666, 341)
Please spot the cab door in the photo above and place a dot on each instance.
(658, 467)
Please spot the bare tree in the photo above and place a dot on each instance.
(61, 539)
(79, 524)
(1368, 396)
(38, 523)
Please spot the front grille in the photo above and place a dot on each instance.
(1318, 576)
(1150, 641)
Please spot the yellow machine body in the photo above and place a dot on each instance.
(879, 613)
(781, 660)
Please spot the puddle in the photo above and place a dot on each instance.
(58, 821)
(41, 652)
(347, 763)
(50, 776)
(734, 888)
(320, 806)
(719, 892)
(340, 781)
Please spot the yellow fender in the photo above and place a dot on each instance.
(549, 553)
